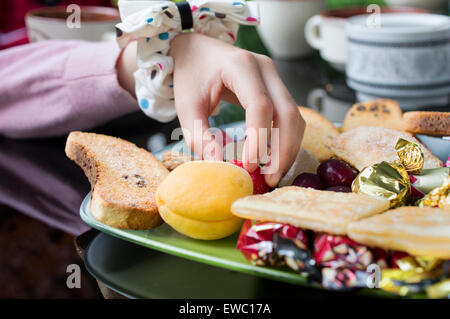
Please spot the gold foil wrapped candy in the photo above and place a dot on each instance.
(414, 275)
(410, 156)
(391, 180)
(438, 197)
(386, 180)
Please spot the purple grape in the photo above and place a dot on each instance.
(339, 189)
(334, 172)
(308, 180)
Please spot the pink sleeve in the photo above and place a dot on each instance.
(53, 87)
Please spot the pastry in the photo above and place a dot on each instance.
(417, 231)
(428, 123)
(319, 134)
(379, 112)
(308, 208)
(365, 146)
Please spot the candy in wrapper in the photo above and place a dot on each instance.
(296, 256)
(344, 278)
(414, 275)
(410, 155)
(256, 241)
(447, 164)
(386, 180)
(439, 290)
(345, 262)
(429, 179)
(438, 197)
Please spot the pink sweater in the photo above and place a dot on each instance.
(53, 87)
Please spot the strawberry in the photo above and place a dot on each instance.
(259, 185)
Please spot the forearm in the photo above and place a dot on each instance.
(53, 87)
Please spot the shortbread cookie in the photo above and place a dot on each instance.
(429, 123)
(308, 208)
(319, 134)
(417, 231)
(365, 146)
(379, 112)
(124, 179)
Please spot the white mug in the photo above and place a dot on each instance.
(326, 32)
(282, 26)
(96, 23)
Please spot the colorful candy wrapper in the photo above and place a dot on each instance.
(296, 256)
(388, 180)
(345, 262)
(438, 197)
(415, 275)
(447, 164)
(256, 241)
(429, 179)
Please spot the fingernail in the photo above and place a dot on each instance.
(273, 179)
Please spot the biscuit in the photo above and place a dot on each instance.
(379, 112)
(319, 134)
(428, 123)
(123, 178)
(308, 208)
(417, 231)
(365, 146)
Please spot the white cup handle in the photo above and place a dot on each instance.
(312, 34)
(315, 99)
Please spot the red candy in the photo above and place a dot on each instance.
(259, 185)
(342, 252)
(256, 241)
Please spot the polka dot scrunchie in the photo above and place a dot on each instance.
(155, 23)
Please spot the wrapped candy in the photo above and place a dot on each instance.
(257, 240)
(415, 275)
(438, 197)
(428, 179)
(392, 180)
(344, 262)
(296, 256)
(410, 156)
(388, 180)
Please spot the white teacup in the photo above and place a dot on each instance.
(432, 5)
(282, 26)
(96, 23)
(326, 32)
(406, 58)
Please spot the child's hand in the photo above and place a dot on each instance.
(207, 71)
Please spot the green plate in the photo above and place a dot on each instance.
(220, 253)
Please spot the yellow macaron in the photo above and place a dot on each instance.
(195, 198)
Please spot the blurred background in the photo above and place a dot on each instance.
(33, 255)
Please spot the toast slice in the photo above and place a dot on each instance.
(428, 123)
(308, 208)
(365, 146)
(417, 231)
(379, 112)
(124, 179)
(319, 134)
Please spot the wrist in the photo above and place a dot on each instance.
(126, 66)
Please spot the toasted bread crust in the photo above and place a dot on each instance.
(429, 123)
(379, 112)
(123, 177)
